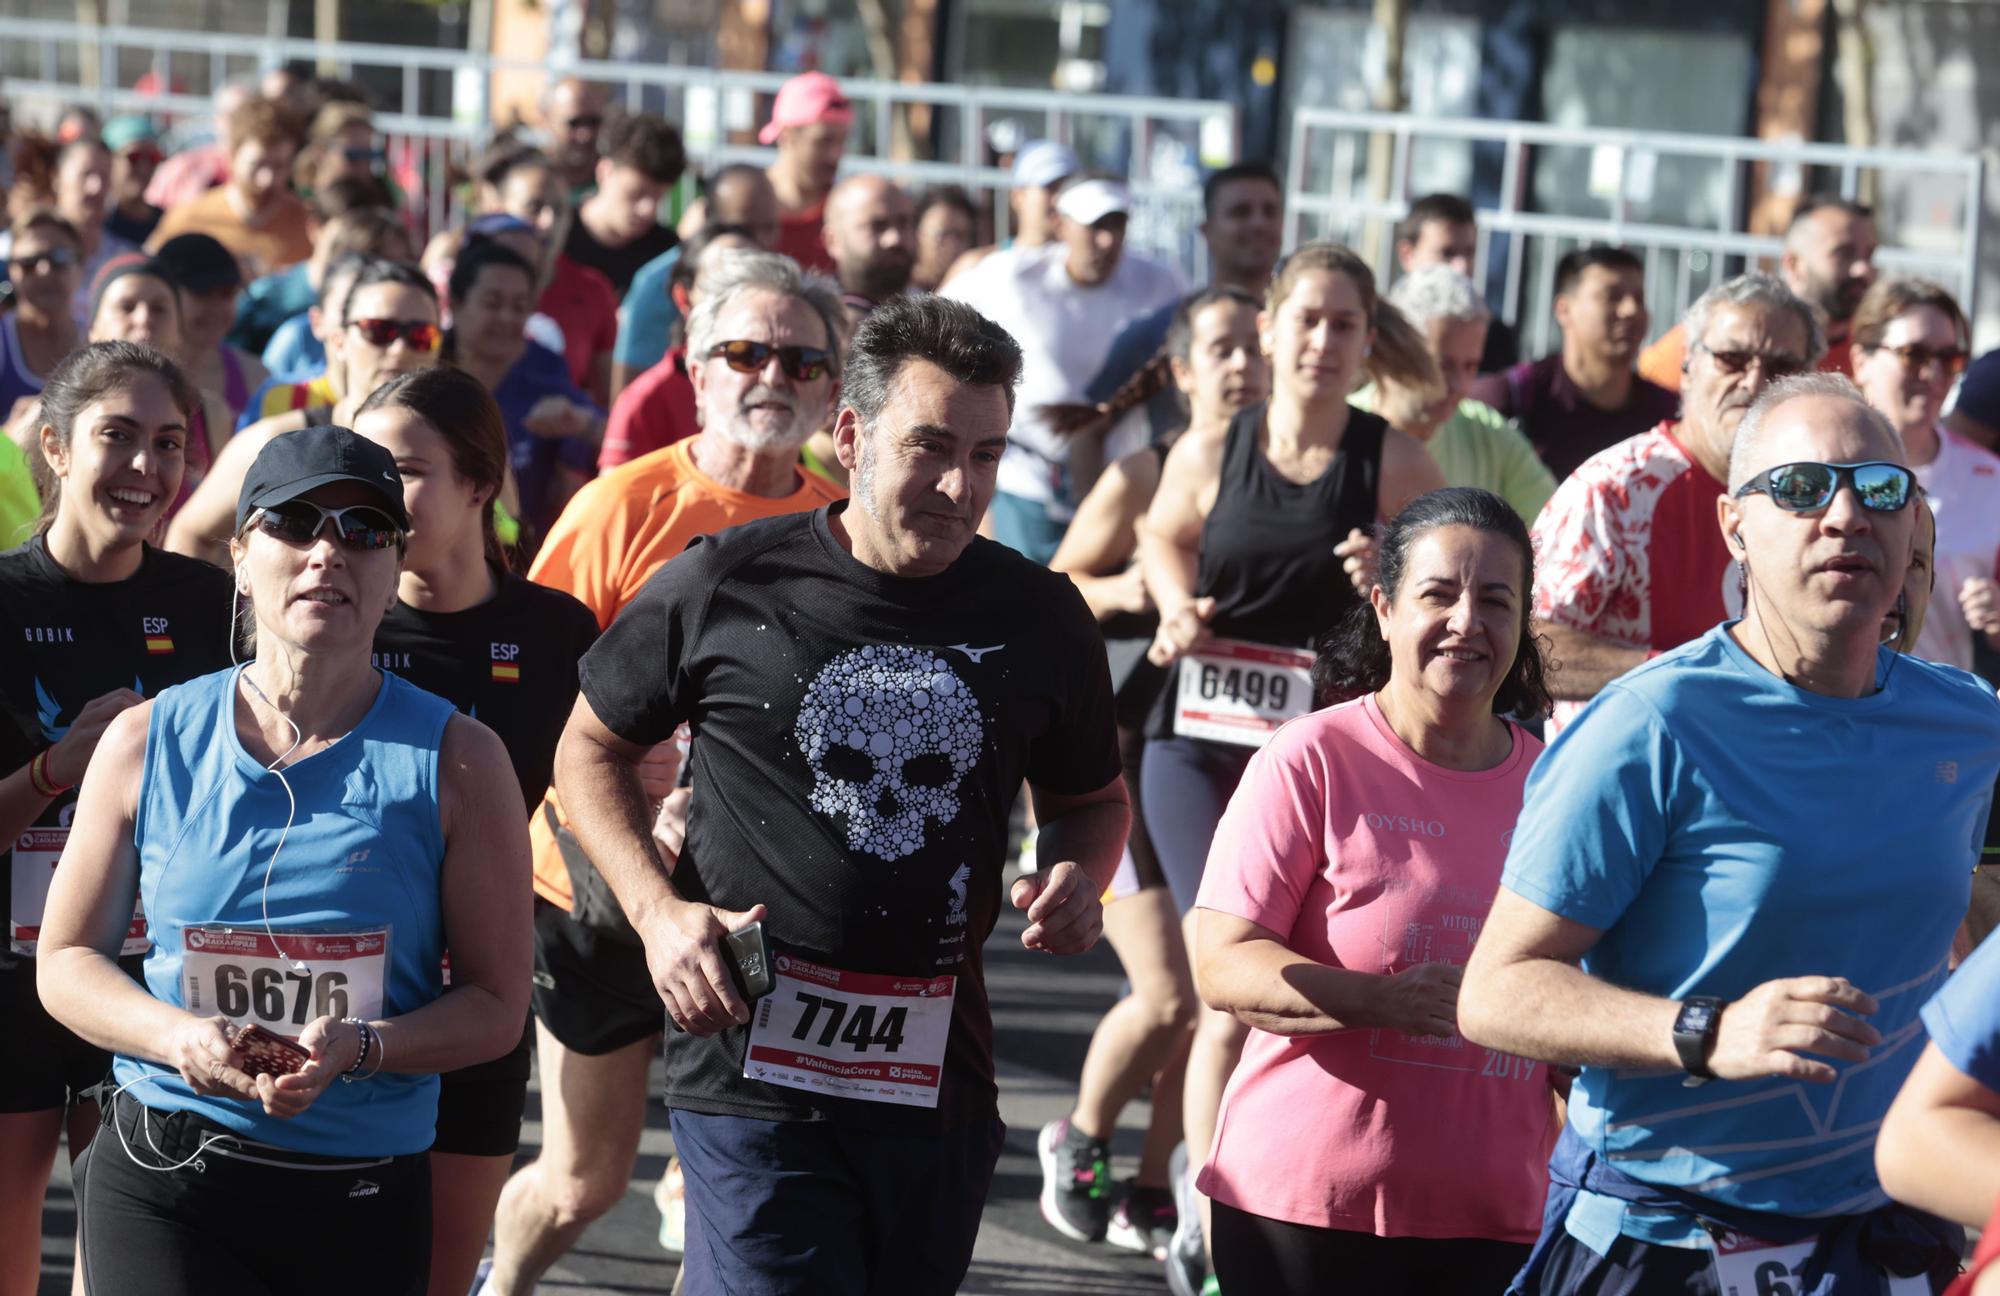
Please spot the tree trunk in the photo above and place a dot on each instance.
(875, 22)
(326, 30)
(1855, 70)
(1392, 19)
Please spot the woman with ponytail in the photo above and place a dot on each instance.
(1253, 547)
(94, 619)
(504, 651)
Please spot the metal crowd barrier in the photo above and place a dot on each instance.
(1676, 200)
(435, 107)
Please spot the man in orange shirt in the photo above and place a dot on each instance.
(254, 213)
(764, 358)
(1829, 260)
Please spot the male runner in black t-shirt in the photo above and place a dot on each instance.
(617, 229)
(868, 685)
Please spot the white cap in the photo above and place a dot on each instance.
(1090, 201)
(1041, 163)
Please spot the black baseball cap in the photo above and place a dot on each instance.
(199, 263)
(297, 462)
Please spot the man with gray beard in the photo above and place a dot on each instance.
(763, 351)
(1628, 560)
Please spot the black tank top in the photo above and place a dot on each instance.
(1267, 547)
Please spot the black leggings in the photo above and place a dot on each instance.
(1271, 1258)
(1188, 783)
(223, 1223)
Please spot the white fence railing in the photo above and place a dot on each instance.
(1676, 200)
(436, 108)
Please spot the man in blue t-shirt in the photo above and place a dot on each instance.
(1735, 880)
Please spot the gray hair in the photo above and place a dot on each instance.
(738, 271)
(1756, 289)
(1438, 292)
(1745, 458)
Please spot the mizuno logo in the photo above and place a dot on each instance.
(364, 1188)
(975, 653)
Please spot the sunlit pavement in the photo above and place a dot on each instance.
(1043, 1011)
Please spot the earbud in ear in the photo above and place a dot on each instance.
(242, 583)
(1740, 546)
(1367, 350)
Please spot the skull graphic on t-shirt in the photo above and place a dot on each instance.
(890, 732)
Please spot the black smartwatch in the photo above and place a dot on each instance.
(1694, 1034)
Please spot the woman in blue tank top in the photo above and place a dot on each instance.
(307, 834)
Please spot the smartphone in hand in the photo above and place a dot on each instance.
(264, 1053)
(749, 961)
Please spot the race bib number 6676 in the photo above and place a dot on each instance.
(283, 980)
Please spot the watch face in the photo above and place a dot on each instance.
(1695, 1018)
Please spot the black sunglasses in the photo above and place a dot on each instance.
(1805, 487)
(360, 527)
(1735, 362)
(803, 363)
(60, 258)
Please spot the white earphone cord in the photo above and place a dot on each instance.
(273, 768)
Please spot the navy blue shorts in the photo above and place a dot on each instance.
(780, 1207)
(1635, 1268)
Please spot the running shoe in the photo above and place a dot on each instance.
(1187, 1261)
(670, 1195)
(1076, 1181)
(1143, 1221)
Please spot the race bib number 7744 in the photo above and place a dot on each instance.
(855, 1034)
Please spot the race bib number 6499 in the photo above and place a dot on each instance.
(1235, 692)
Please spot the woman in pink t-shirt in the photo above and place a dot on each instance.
(1363, 1141)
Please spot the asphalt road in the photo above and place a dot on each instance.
(1043, 1012)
